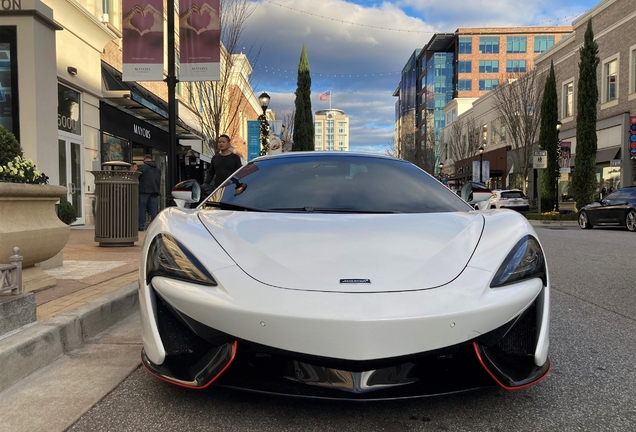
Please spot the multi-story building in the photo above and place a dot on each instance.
(331, 127)
(405, 108)
(612, 23)
(467, 64)
(70, 109)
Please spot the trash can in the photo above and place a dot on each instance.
(117, 209)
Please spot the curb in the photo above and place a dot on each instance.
(40, 344)
(553, 223)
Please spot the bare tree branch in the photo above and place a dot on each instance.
(518, 105)
(222, 104)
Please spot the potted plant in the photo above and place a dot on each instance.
(27, 207)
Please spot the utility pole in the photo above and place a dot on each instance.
(171, 79)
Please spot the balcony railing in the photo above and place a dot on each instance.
(11, 274)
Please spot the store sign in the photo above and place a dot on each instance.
(10, 5)
(615, 162)
(141, 131)
(632, 137)
(540, 159)
(69, 115)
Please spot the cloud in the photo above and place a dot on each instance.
(352, 53)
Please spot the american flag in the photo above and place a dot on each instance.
(325, 96)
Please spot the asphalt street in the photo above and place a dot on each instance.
(591, 386)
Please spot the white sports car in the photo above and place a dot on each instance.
(342, 275)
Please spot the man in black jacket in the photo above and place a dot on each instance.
(149, 183)
(223, 165)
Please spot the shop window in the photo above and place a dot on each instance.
(568, 97)
(515, 66)
(516, 44)
(610, 80)
(488, 66)
(465, 45)
(464, 66)
(542, 43)
(115, 148)
(489, 45)
(464, 85)
(488, 84)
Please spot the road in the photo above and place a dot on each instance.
(592, 386)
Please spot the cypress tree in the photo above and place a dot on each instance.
(303, 120)
(584, 177)
(548, 139)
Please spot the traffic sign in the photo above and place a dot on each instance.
(540, 159)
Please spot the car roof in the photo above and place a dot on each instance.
(328, 154)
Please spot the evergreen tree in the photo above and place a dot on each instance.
(303, 120)
(548, 139)
(9, 146)
(584, 177)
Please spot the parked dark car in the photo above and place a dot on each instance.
(615, 209)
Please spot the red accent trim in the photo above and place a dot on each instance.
(499, 382)
(196, 387)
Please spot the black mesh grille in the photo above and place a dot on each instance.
(522, 337)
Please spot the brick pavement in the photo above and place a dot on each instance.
(89, 272)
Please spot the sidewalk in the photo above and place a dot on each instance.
(96, 289)
(88, 272)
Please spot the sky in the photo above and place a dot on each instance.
(357, 49)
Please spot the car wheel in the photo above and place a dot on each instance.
(493, 207)
(584, 222)
(630, 220)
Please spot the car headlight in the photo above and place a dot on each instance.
(168, 257)
(525, 261)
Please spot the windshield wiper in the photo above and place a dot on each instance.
(309, 209)
(230, 206)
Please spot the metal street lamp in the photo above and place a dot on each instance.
(441, 166)
(481, 163)
(558, 168)
(264, 101)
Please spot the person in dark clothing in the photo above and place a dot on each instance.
(223, 165)
(149, 184)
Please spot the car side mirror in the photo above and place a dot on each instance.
(186, 192)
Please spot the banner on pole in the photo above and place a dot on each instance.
(142, 40)
(199, 40)
(253, 139)
(275, 137)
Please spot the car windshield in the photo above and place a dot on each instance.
(512, 194)
(334, 184)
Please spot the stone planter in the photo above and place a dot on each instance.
(28, 221)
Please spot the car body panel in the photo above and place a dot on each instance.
(393, 252)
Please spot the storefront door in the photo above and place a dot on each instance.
(71, 170)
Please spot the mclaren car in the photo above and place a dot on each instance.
(342, 276)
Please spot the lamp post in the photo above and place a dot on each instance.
(557, 167)
(264, 101)
(481, 163)
(283, 141)
(441, 166)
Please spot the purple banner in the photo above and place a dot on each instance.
(200, 36)
(142, 28)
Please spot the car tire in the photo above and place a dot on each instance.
(630, 220)
(584, 221)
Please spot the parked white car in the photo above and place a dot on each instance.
(511, 198)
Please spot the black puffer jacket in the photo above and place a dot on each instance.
(150, 179)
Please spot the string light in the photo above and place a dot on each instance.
(348, 22)
(555, 20)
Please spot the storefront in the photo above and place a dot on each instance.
(127, 138)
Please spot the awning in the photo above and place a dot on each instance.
(607, 154)
(138, 101)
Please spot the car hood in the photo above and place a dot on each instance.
(347, 253)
